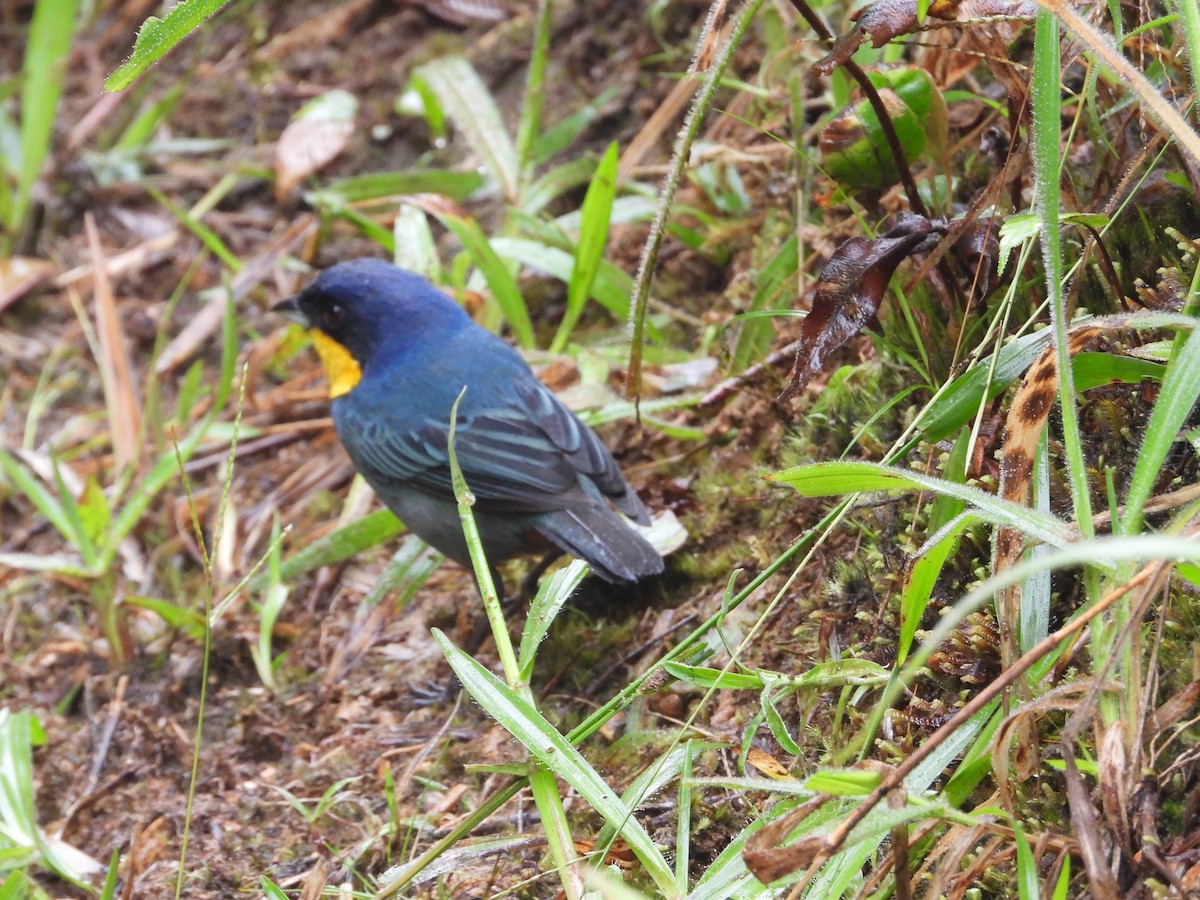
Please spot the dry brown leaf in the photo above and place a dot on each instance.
(849, 292)
(767, 764)
(116, 371)
(316, 136)
(769, 860)
(21, 274)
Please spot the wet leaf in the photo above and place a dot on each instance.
(849, 292)
(855, 278)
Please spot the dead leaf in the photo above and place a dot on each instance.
(317, 134)
(1175, 709)
(1114, 784)
(618, 855)
(767, 764)
(849, 292)
(887, 19)
(21, 274)
(116, 369)
(766, 856)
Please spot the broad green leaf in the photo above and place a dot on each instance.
(470, 106)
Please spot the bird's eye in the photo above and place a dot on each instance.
(334, 314)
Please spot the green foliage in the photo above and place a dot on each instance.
(157, 37)
(42, 76)
(854, 149)
(94, 523)
(22, 842)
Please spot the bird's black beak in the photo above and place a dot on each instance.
(290, 308)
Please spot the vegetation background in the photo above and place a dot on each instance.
(890, 304)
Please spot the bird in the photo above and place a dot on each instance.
(398, 352)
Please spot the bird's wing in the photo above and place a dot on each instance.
(525, 456)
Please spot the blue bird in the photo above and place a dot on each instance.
(397, 352)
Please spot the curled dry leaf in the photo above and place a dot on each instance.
(314, 138)
(849, 292)
(887, 19)
(769, 859)
(853, 282)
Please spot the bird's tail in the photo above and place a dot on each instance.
(603, 540)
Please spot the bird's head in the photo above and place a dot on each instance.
(355, 309)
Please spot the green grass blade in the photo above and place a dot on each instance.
(530, 125)
(1181, 387)
(109, 890)
(922, 577)
(1036, 592)
(347, 541)
(165, 470)
(268, 614)
(502, 282)
(555, 752)
(157, 37)
(381, 185)
(544, 787)
(610, 288)
(654, 778)
(552, 595)
(415, 248)
(43, 72)
(771, 280)
(1027, 874)
(44, 501)
(593, 235)
(836, 479)
(18, 811)
(1047, 125)
(47, 562)
(412, 563)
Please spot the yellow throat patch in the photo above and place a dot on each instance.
(343, 370)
